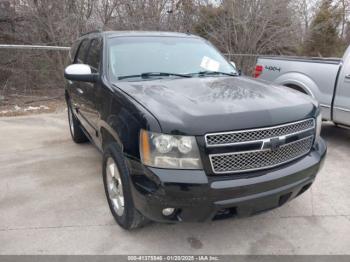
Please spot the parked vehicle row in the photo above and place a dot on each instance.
(184, 136)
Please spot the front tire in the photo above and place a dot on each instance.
(117, 188)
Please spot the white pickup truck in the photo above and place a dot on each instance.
(325, 79)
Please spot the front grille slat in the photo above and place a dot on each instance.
(266, 157)
(228, 138)
(261, 159)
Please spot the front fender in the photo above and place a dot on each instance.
(123, 122)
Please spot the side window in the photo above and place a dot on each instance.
(80, 57)
(94, 55)
(73, 51)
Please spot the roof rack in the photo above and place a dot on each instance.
(91, 32)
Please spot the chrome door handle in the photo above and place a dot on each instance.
(347, 76)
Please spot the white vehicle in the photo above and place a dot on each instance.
(325, 79)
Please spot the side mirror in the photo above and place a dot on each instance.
(80, 72)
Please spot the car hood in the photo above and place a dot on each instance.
(196, 106)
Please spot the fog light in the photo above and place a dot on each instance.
(168, 211)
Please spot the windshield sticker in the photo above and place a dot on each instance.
(210, 64)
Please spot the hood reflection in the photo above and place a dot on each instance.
(205, 90)
(229, 90)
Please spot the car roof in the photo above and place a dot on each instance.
(112, 34)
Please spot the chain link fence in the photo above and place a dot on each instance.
(29, 74)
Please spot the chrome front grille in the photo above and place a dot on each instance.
(276, 145)
(229, 138)
(260, 159)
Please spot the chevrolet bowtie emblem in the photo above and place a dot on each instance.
(274, 143)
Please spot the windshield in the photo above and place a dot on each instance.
(166, 56)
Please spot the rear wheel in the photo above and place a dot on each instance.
(117, 188)
(75, 129)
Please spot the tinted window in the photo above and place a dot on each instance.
(94, 56)
(73, 51)
(80, 59)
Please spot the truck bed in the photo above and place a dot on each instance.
(323, 60)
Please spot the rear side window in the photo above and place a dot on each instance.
(94, 56)
(80, 58)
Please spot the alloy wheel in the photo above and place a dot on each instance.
(114, 187)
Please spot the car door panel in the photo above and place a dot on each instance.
(92, 90)
(77, 90)
(341, 106)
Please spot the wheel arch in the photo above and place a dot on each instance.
(108, 136)
(297, 88)
(299, 82)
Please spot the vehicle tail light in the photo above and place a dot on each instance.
(258, 70)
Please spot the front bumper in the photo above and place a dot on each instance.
(198, 197)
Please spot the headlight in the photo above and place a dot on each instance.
(169, 151)
(318, 126)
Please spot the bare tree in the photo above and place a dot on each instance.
(106, 12)
(249, 26)
(175, 15)
(235, 26)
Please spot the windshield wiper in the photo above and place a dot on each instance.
(145, 75)
(203, 73)
(150, 74)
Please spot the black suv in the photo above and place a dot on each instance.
(184, 136)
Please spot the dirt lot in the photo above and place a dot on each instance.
(36, 103)
(52, 202)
